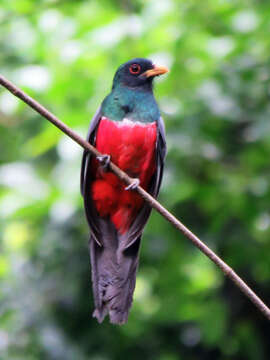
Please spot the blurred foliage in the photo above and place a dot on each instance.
(215, 102)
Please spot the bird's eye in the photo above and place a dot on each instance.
(134, 69)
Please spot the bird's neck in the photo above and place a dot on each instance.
(130, 103)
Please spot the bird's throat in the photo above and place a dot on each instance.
(134, 104)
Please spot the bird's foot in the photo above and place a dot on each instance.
(133, 186)
(104, 161)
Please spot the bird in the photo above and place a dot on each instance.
(128, 130)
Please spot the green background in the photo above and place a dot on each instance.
(215, 102)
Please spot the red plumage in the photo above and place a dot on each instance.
(131, 146)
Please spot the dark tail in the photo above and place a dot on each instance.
(113, 278)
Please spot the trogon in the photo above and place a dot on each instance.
(128, 130)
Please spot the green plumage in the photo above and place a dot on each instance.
(133, 103)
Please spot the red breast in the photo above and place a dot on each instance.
(131, 146)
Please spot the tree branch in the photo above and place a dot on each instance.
(229, 272)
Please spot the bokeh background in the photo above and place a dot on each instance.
(215, 102)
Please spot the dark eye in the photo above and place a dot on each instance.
(134, 69)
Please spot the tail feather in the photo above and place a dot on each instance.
(113, 278)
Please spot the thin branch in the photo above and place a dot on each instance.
(228, 271)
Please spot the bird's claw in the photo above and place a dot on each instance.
(104, 161)
(135, 183)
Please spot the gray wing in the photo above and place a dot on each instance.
(86, 178)
(161, 150)
(137, 227)
(90, 138)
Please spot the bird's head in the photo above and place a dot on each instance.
(138, 73)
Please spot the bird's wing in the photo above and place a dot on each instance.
(86, 178)
(136, 228)
(86, 154)
(161, 151)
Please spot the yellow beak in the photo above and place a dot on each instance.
(157, 70)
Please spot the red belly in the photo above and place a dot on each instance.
(132, 147)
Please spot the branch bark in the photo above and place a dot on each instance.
(227, 270)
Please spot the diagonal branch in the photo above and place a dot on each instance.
(228, 271)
